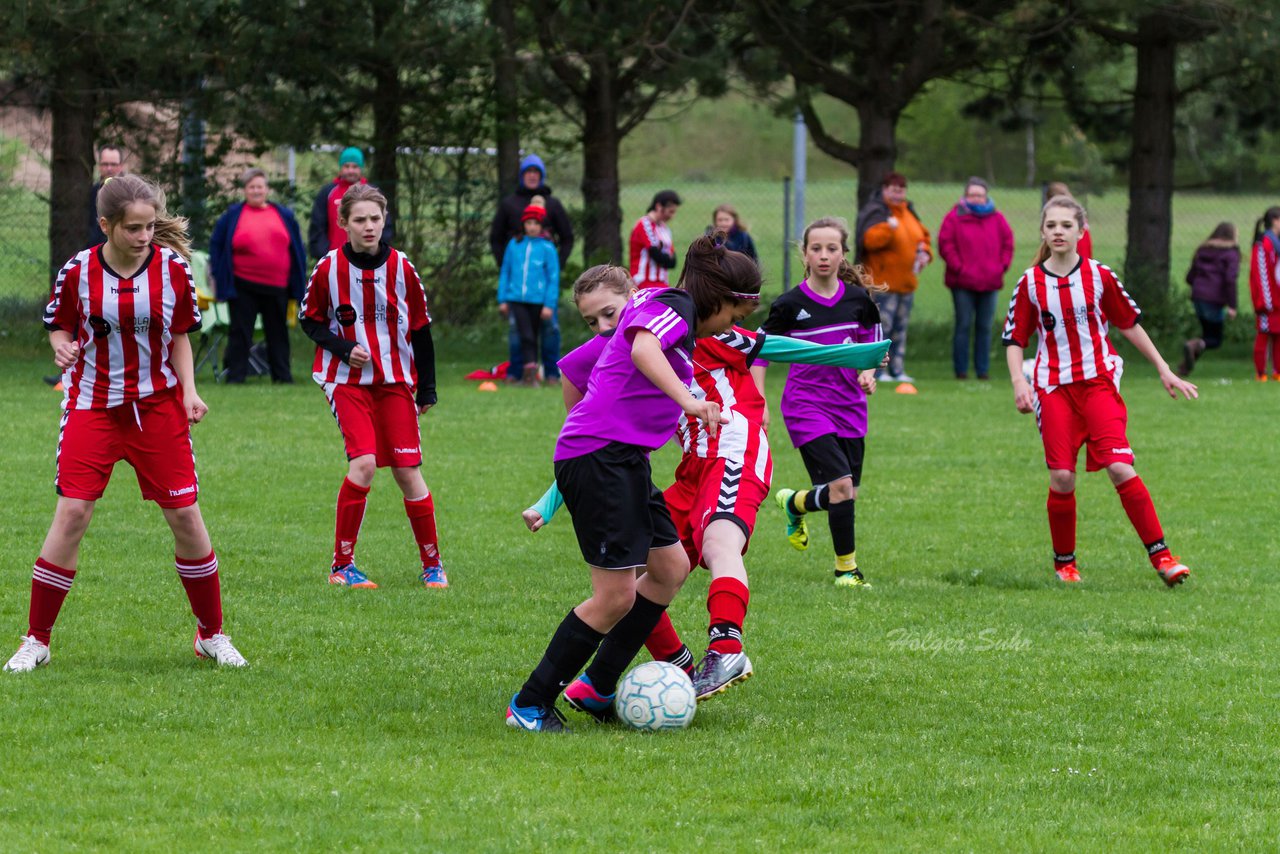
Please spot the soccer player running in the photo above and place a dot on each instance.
(825, 407)
(367, 312)
(635, 395)
(118, 323)
(1069, 301)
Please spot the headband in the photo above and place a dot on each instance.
(744, 296)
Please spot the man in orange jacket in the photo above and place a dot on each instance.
(893, 246)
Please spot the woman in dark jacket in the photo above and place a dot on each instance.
(258, 263)
(1212, 278)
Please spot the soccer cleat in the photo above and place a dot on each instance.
(219, 649)
(1262, 378)
(852, 578)
(582, 696)
(1067, 572)
(349, 576)
(433, 576)
(797, 526)
(535, 718)
(30, 655)
(1172, 571)
(718, 671)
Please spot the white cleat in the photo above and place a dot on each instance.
(220, 649)
(30, 655)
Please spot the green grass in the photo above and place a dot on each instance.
(966, 702)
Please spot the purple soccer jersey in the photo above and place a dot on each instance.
(621, 405)
(820, 400)
(576, 365)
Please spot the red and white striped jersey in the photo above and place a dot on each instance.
(1264, 284)
(377, 308)
(645, 235)
(721, 374)
(1070, 314)
(124, 327)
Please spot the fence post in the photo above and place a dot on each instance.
(786, 231)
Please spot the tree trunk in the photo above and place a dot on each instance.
(384, 171)
(73, 110)
(601, 140)
(506, 95)
(877, 148)
(1146, 260)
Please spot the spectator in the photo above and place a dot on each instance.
(1056, 188)
(893, 246)
(529, 285)
(976, 244)
(508, 222)
(725, 218)
(323, 232)
(1264, 288)
(110, 164)
(653, 250)
(1212, 278)
(258, 264)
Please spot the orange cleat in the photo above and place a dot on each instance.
(1172, 571)
(1068, 573)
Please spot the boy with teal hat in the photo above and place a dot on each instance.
(324, 233)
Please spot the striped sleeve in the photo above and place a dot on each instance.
(63, 310)
(315, 302)
(186, 312)
(415, 296)
(1020, 321)
(1117, 306)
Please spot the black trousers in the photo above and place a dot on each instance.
(527, 317)
(272, 303)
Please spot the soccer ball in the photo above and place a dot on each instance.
(656, 695)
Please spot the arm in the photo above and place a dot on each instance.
(1138, 337)
(1233, 277)
(184, 367)
(878, 236)
(563, 228)
(572, 394)
(65, 349)
(551, 295)
(1006, 243)
(424, 359)
(544, 508)
(647, 355)
(947, 246)
(1023, 397)
(504, 277)
(338, 346)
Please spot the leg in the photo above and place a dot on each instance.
(964, 302)
(197, 567)
(985, 304)
(352, 496)
(420, 507)
(515, 364)
(1260, 343)
(527, 321)
(887, 303)
(1061, 509)
(275, 327)
(840, 519)
(243, 315)
(55, 569)
(551, 345)
(905, 301)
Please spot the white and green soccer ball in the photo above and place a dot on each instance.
(656, 695)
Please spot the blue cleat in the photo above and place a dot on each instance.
(535, 718)
(349, 576)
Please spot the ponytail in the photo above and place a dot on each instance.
(714, 275)
(118, 193)
(1265, 223)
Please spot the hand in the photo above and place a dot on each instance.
(359, 357)
(533, 519)
(1174, 384)
(1023, 397)
(66, 354)
(764, 420)
(1231, 313)
(706, 411)
(545, 314)
(503, 309)
(922, 261)
(892, 221)
(422, 410)
(196, 408)
(867, 380)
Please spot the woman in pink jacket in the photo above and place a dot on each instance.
(976, 245)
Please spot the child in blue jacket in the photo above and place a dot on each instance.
(529, 284)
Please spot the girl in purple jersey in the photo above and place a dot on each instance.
(825, 408)
(635, 395)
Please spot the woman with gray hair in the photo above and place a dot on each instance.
(976, 244)
(258, 263)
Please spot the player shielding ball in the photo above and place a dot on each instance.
(1069, 302)
(366, 310)
(118, 324)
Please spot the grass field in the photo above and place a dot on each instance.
(966, 702)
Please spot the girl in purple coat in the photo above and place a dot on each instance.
(976, 244)
(1212, 278)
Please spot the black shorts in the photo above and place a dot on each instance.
(831, 457)
(618, 514)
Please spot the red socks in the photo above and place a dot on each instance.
(1260, 346)
(422, 518)
(204, 591)
(351, 501)
(664, 642)
(1142, 513)
(727, 604)
(49, 587)
(1062, 526)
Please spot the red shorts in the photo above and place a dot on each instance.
(377, 419)
(706, 490)
(1088, 413)
(152, 435)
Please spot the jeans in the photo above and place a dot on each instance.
(973, 308)
(895, 314)
(549, 337)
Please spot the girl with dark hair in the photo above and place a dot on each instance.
(1264, 286)
(118, 324)
(653, 252)
(1212, 278)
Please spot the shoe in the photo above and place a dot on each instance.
(349, 576)
(1188, 359)
(535, 718)
(902, 377)
(797, 527)
(1262, 378)
(433, 576)
(582, 696)
(1067, 573)
(1172, 571)
(962, 376)
(219, 648)
(984, 378)
(718, 671)
(54, 381)
(852, 578)
(30, 655)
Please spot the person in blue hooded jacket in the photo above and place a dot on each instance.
(508, 223)
(258, 262)
(529, 285)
